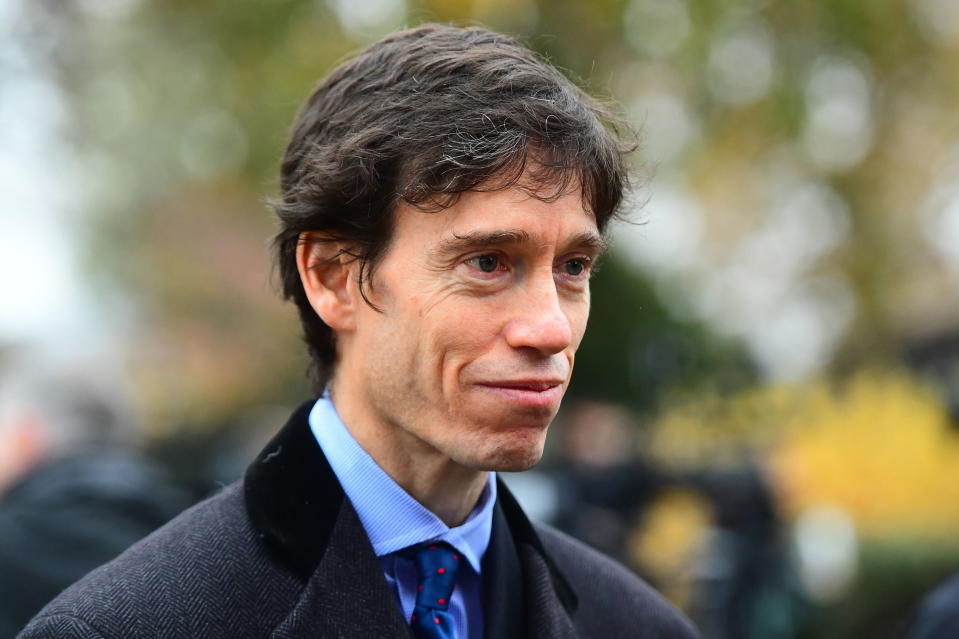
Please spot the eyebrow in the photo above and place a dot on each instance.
(590, 240)
(480, 239)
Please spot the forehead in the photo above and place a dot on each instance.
(507, 215)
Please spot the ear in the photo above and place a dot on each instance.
(326, 273)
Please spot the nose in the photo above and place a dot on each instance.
(539, 321)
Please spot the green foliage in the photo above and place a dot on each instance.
(177, 98)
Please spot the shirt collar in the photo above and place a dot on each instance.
(392, 518)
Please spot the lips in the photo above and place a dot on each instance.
(533, 393)
(527, 384)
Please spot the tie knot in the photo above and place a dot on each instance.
(436, 565)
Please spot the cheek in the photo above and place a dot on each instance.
(461, 337)
(388, 351)
(578, 315)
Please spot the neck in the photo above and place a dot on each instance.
(447, 489)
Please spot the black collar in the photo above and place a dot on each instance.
(293, 499)
(292, 496)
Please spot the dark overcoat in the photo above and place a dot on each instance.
(282, 554)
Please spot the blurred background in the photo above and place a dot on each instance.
(763, 420)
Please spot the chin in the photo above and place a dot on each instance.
(506, 453)
(514, 464)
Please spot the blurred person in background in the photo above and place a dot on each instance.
(604, 482)
(746, 582)
(444, 196)
(938, 614)
(74, 493)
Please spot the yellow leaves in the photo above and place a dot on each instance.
(878, 445)
(672, 534)
(881, 449)
(717, 430)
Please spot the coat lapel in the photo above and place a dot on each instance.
(547, 617)
(547, 596)
(347, 596)
(504, 615)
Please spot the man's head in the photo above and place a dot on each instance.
(420, 118)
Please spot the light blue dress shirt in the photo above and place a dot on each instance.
(394, 520)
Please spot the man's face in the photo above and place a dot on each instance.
(483, 306)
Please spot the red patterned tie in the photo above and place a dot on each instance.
(436, 566)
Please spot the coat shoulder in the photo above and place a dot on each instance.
(206, 573)
(61, 626)
(611, 600)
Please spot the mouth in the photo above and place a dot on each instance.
(533, 393)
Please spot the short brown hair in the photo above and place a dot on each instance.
(420, 117)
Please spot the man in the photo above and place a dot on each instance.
(74, 490)
(443, 201)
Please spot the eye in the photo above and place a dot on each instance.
(485, 263)
(576, 266)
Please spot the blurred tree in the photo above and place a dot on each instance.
(181, 110)
(805, 195)
(635, 349)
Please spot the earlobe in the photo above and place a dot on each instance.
(325, 271)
